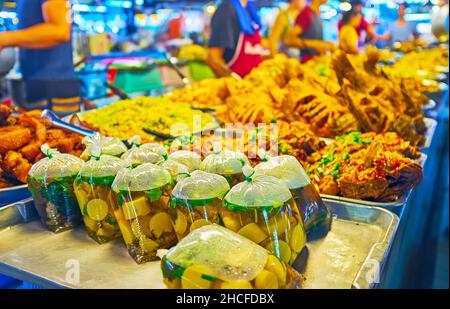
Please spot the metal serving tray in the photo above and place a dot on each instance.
(348, 257)
(431, 125)
(13, 194)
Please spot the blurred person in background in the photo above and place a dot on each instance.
(307, 34)
(401, 30)
(365, 28)
(235, 41)
(348, 34)
(283, 23)
(46, 59)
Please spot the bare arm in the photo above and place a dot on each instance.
(216, 62)
(55, 29)
(276, 33)
(293, 39)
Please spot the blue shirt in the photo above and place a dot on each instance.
(55, 63)
(401, 33)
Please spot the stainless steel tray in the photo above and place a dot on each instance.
(355, 249)
(13, 194)
(431, 125)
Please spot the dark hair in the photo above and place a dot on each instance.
(346, 16)
(404, 4)
(356, 2)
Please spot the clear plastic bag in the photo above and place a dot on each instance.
(262, 209)
(176, 169)
(144, 153)
(50, 182)
(142, 216)
(227, 163)
(213, 257)
(97, 201)
(188, 158)
(196, 201)
(316, 216)
(109, 146)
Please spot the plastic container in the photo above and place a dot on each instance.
(143, 219)
(50, 182)
(97, 201)
(213, 257)
(109, 146)
(262, 209)
(227, 163)
(190, 159)
(196, 201)
(316, 216)
(146, 153)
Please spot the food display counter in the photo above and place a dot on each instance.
(353, 132)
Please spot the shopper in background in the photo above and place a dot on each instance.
(283, 23)
(401, 30)
(365, 27)
(348, 35)
(307, 34)
(235, 42)
(46, 60)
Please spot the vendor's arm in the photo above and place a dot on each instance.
(55, 29)
(277, 32)
(293, 39)
(216, 62)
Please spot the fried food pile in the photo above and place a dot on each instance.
(423, 64)
(21, 139)
(205, 94)
(124, 119)
(379, 103)
(369, 166)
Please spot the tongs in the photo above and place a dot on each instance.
(59, 123)
(173, 62)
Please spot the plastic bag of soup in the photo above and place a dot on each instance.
(227, 163)
(213, 257)
(109, 146)
(188, 158)
(177, 170)
(97, 201)
(50, 182)
(316, 216)
(196, 201)
(144, 153)
(142, 216)
(262, 209)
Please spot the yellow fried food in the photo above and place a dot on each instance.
(97, 209)
(127, 118)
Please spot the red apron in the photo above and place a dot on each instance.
(247, 55)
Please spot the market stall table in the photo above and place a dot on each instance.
(30, 253)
